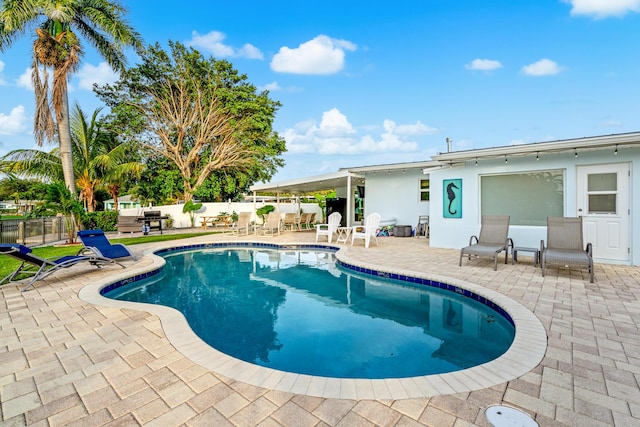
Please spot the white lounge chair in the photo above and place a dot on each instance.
(243, 224)
(369, 230)
(330, 228)
(272, 226)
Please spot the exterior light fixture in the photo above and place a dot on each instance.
(615, 153)
(505, 159)
(575, 152)
(476, 161)
(537, 156)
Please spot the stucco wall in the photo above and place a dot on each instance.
(396, 194)
(455, 233)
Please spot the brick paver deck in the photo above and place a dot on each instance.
(64, 361)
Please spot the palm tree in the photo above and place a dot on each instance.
(99, 160)
(57, 25)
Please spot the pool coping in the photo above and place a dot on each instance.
(525, 353)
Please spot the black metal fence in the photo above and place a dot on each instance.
(34, 232)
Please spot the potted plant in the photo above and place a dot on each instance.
(168, 223)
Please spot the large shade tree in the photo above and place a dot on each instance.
(57, 26)
(197, 112)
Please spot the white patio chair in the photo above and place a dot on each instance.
(330, 228)
(369, 230)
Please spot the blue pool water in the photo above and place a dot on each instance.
(297, 311)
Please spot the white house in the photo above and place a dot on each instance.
(124, 202)
(592, 177)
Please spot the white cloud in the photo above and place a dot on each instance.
(24, 80)
(336, 135)
(415, 129)
(601, 9)
(544, 67)
(213, 43)
(13, 123)
(483, 65)
(102, 74)
(322, 55)
(271, 87)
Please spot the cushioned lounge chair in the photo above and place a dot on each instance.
(96, 242)
(565, 246)
(39, 268)
(330, 228)
(369, 230)
(494, 238)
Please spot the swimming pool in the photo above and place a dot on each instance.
(296, 310)
(525, 353)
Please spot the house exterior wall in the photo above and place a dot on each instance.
(396, 194)
(455, 232)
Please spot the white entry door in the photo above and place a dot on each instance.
(603, 202)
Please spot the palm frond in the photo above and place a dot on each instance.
(16, 18)
(34, 163)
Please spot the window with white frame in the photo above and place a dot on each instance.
(527, 197)
(424, 190)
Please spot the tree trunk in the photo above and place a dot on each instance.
(64, 134)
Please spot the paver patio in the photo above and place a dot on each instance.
(64, 361)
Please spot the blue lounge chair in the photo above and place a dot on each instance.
(39, 268)
(96, 242)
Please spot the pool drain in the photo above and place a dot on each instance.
(505, 416)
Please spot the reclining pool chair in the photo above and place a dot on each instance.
(494, 238)
(272, 226)
(243, 225)
(565, 246)
(96, 242)
(39, 268)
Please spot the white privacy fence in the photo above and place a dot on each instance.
(182, 220)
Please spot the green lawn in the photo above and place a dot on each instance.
(8, 217)
(8, 264)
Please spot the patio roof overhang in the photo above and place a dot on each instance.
(393, 167)
(309, 184)
(566, 145)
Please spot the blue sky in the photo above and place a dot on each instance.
(373, 82)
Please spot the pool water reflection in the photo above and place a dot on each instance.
(297, 311)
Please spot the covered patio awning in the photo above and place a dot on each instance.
(310, 184)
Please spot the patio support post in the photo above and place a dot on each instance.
(349, 204)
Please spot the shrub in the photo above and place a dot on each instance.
(103, 220)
